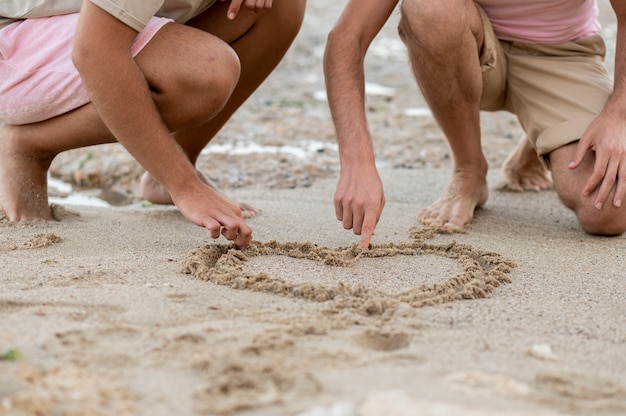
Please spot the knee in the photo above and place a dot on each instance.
(207, 88)
(610, 221)
(221, 75)
(418, 18)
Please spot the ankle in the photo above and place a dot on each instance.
(477, 166)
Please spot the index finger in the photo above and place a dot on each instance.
(581, 150)
(367, 229)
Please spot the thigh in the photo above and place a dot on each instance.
(180, 57)
(494, 68)
(38, 79)
(557, 90)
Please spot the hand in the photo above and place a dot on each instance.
(254, 5)
(606, 137)
(359, 201)
(207, 208)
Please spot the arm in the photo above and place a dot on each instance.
(359, 198)
(606, 135)
(110, 75)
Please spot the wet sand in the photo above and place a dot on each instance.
(131, 310)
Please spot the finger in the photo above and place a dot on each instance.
(367, 230)
(620, 189)
(338, 208)
(581, 150)
(233, 9)
(365, 240)
(599, 171)
(230, 231)
(608, 182)
(357, 221)
(347, 217)
(213, 227)
(244, 237)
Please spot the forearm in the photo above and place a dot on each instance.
(345, 84)
(344, 58)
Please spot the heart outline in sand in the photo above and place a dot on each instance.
(483, 271)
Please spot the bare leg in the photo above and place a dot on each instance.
(180, 92)
(523, 171)
(22, 197)
(261, 41)
(444, 40)
(569, 184)
(27, 151)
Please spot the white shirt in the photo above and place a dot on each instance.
(134, 13)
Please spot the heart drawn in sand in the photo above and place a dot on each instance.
(483, 271)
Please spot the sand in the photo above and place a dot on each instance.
(131, 310)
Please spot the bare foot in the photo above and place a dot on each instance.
(154, 192)
(23, 179)
(523, 171)
(454, 209)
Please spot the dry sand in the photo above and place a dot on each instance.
(130, 310)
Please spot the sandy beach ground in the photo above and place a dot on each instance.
(123, 308)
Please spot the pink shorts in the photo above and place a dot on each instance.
(38, 80)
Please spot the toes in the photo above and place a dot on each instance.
(522, 184)
(456, 223)
(434, 218)
(511, 187)
(248, 211)
(428, 216)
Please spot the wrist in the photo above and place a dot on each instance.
(183, 184)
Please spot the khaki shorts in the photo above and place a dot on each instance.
(555, 91)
